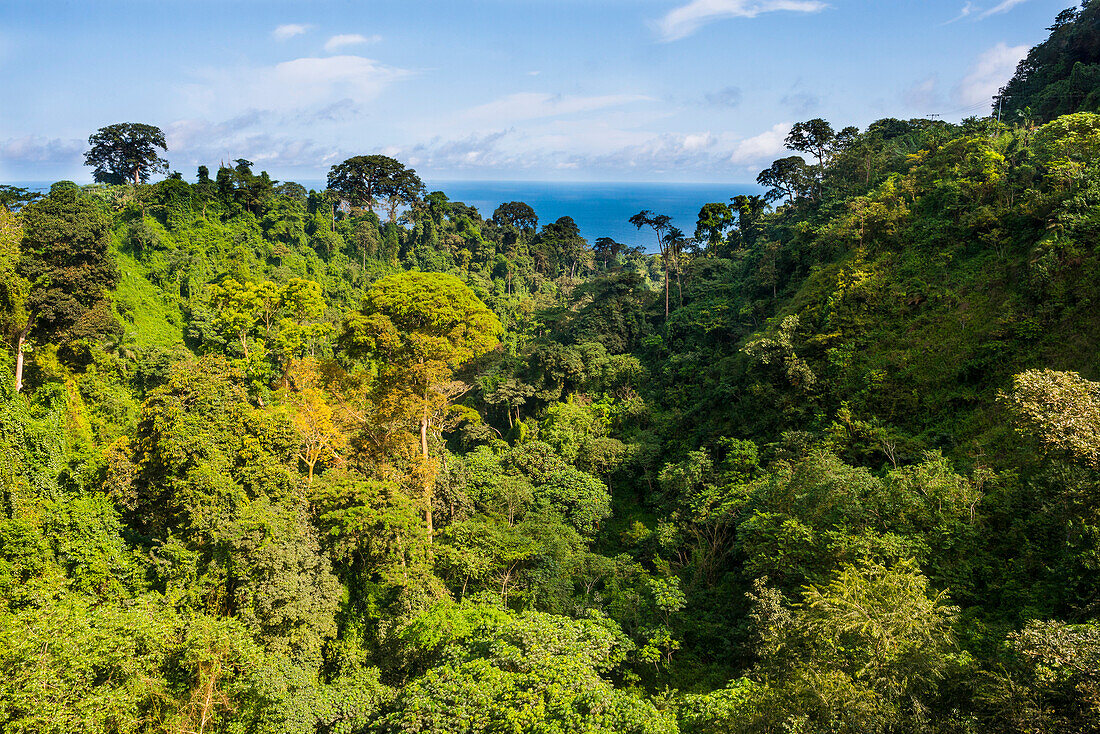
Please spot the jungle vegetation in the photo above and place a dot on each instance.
(366, 460)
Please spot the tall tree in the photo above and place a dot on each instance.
(417, 328)
(789, 177)
(14, 198)
(711, 225)
(64, 261)
(813, 137)
(126, 152)
(517, 214)
(660, 224)
(363, 179)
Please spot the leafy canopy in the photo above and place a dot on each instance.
(126, 152)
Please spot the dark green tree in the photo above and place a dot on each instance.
(126, 152)
(363, 179)
(517, 214)
(14, 198)
(64, 260)
(660, 224)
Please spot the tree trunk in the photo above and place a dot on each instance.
(666, 287)
(679, 288)
(427, 475)
(20, 340)
(19, 364)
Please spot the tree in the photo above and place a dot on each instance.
(789, 177)
(713, 222)
(126, 152)
(321, 438)
(418, 328)
(861, 653)
(659, 223)
(563, 236)
(64, 263)
(675, 242)
(516, 214)
(814, 137)
(1061, 410)
(606, 249)
(14, 198)
(401, 189)
(750, 210)
(493, 671)
(363, 179)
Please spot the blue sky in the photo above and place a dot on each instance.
(600, 90)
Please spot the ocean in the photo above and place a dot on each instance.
(599, 209)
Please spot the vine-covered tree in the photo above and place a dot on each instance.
(64, 262)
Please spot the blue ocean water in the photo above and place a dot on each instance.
(599, 209)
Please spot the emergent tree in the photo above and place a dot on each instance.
(126, 152)
(417, 328)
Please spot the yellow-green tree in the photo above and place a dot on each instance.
(416, 329)
(321, 437)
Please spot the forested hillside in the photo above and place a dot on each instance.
(364, 460)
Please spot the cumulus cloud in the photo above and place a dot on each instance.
(989, 73)
(465, 153)
(596, 150)
(762, 149)
(349, 39)
(32, 156)
(194, 142)
(289, 30)
(686, 19)
(537, 105)
(291, 85)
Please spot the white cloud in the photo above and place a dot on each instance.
(1004, 7)
(289, 30)
(989, 73)
(349, 39)
(35, 149)
(686, 19)
(195, 142)
(537, 105)
(298, 84)
(966, 12)
(597, 149)
(763, 148)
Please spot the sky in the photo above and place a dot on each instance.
(556, 90)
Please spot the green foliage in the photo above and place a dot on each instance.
(512, 673)
(126, 152)
(1059, 75)
(444, 473)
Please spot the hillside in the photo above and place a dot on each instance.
(278, 460)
